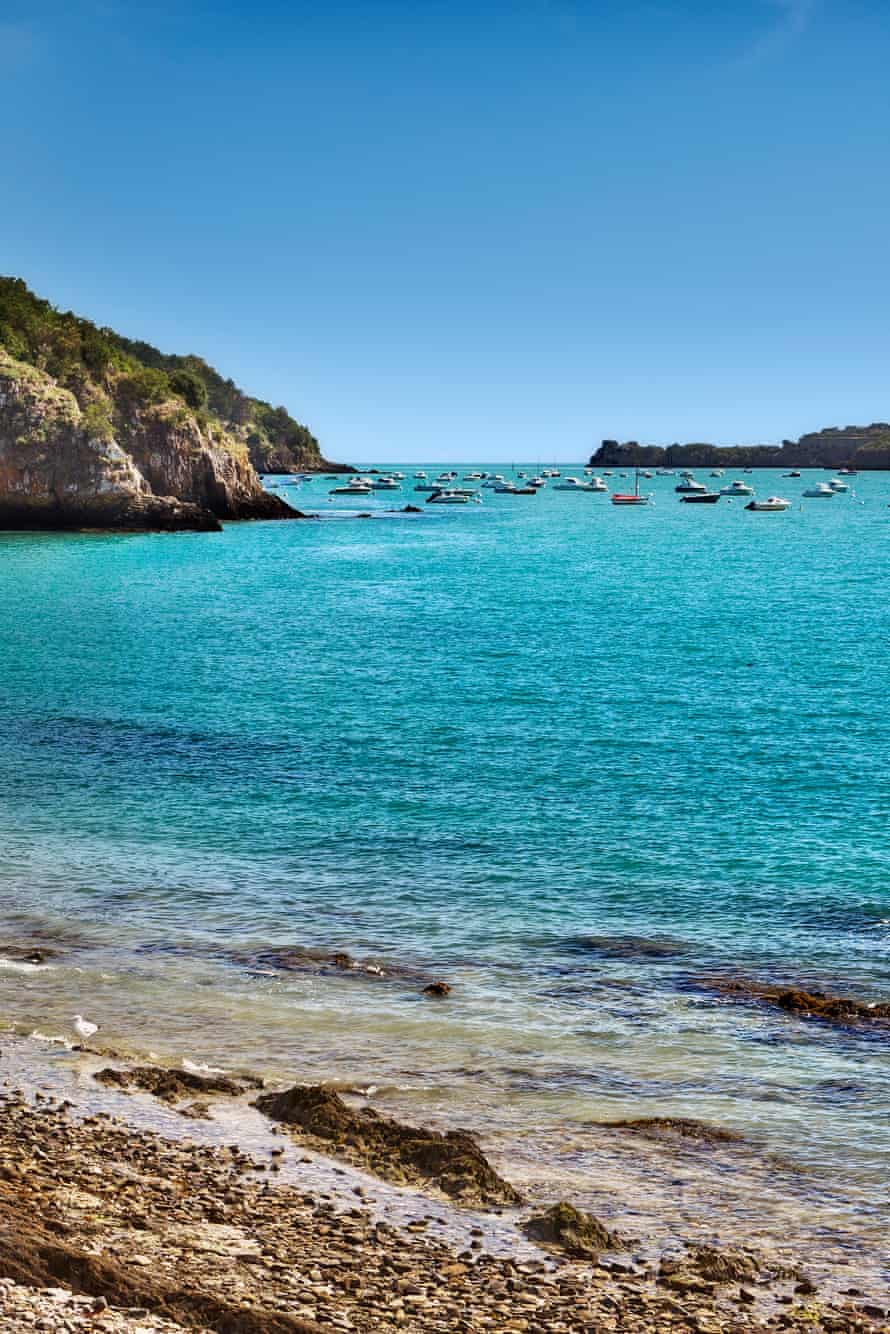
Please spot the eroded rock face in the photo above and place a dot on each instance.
(154, 468)
(454, 1161)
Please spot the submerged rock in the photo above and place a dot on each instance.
(844, 1010)
(35, 954)
(578, 1234)
(658, 1127)
(452, 1161)
(629, 947)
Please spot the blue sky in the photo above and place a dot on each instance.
(491, 231)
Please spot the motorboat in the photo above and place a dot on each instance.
(648, 476)
(385, 484)
(737, 489)
(575, 484)
(846, 472)
(537, 482)
(355, 488)
(495, 481)
(837, 484)
(701, 498)
(597, 484)
(511, 489)
(718, 472)
(429, 486)
(791, 474)
(472, 477)
(449, 496)
(772, 505)
(447, 477)
(821, 491)
(399, 476)
(690, 486)
(420, 476)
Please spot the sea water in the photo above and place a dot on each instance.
(573, 759)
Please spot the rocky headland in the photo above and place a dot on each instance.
(95, 434)
(861, 447)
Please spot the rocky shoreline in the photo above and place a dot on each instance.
(109, 1219)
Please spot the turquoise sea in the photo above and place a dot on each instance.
(574, 760)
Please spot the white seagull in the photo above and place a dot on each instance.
(83, 1028)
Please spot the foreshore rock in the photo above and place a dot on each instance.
(171, 1085)
(572, 1231)
(453, 1161)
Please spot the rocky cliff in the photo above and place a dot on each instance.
(98, 431)
(115, 465)
(860, 447)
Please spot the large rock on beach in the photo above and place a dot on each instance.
(452, 1161)
(568, 1229)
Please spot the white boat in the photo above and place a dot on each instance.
(737, 489)
(399, 476)
(537, 482)
(449, 497)
(821, 491)
(718, 472)
(689, 486)
(356, 488)
(472, 477)
(772, 505)
(429, 486)
(385, 484)
(837, 484)
(597, 484)
(575, 484)
(421, 476)
(494, 482)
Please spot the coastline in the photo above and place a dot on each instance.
(120, 1196)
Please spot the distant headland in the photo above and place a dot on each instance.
(99, 431)
(860, 447)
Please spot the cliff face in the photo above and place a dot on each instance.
(861, 447)
(110, 464)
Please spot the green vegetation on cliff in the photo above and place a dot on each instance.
(107, 372)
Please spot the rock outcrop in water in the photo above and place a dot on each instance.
(572, 1231)
(92, 436)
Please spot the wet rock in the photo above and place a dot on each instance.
(437, 989)
(453, 1161)
(35, 954)
(660, 1127)
(724, 1265)
(171, 1085)
(578, 1234)
(843, 1010)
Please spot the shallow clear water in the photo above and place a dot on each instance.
(466, 743)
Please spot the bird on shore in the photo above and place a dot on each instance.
(83, 1028)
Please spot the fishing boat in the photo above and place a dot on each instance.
(772, 505)
(636, 499)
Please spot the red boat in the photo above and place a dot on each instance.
(635, 499)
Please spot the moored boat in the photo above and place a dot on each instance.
(701, 498)
(821, 491)
(772, 505)
(737, 489)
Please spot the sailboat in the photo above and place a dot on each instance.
(635, 499)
